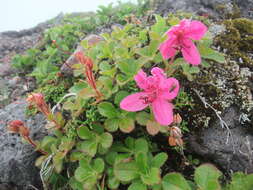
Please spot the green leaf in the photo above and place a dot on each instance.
(194, 69)
(141, 145)
(126, 171)
(113, 182)
(128, 66)
(137, 186)
(241, 181)
(142, 162)
(216, 56)
(209, 53)
(110, 157)
(89, 147)
(78, 87)
(152, 177)
(106, 140)
(142, 118)
(107, 109)
(119, 96)
(159, 159)
(98, 128)
(84, 174)
(122, 79)
(74, 184)
(130, 142)
(160, 25)
(99, 165)
(173, 20)
(175, 181)
(112, 124)
(157, 187)
(75, 156)
(126, 125)
(205, 64)
(47, 142)
(206, 176)
(84, 133)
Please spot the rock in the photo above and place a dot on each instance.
(66, 67)
(234, 155)
(13, 82)
(216, 29)
(210, 7)
(17, 159)
(6, 69)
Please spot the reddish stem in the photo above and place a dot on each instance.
(34, 144)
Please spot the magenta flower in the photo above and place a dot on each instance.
(158, 91)
(180, 39)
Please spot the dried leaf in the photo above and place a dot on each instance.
(153, 127)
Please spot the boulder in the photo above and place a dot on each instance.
(17, 158)
(230, 151)
(210, 7)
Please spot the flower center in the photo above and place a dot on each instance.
(180, 40)
(149, 98)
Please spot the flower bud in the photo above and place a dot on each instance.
(177, 119)
(175, 132)
(17, 126)
(36, 98)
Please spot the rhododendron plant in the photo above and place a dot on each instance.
(158, 91)
(37, 99)
(17, 126)
(180, 39)
(87, 62)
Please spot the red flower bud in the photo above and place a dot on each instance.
(175, 137)
(17, 126)
(87, 62)
(36, 98)
(177, 119)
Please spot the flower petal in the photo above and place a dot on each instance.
(161, 78)
(141, 79)
(196, 30)
(166, 48)
(134, 102)
(163, 111)
(171, 90)
(190, 52)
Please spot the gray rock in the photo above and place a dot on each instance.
(17, 158)
(66, 67)
(13, 82)
(236, 154)
(203, 6)
(6, 69)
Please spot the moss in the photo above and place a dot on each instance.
(237, 39)
(53, 93)
(244, 25)
(228, 12)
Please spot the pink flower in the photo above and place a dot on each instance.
(157, 92)
(180, 39)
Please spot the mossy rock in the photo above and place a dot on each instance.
(237, 39)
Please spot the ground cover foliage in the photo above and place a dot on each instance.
(95, 144)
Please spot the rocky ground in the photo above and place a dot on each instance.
(17, 158)
(226, 138)
(213, 8)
